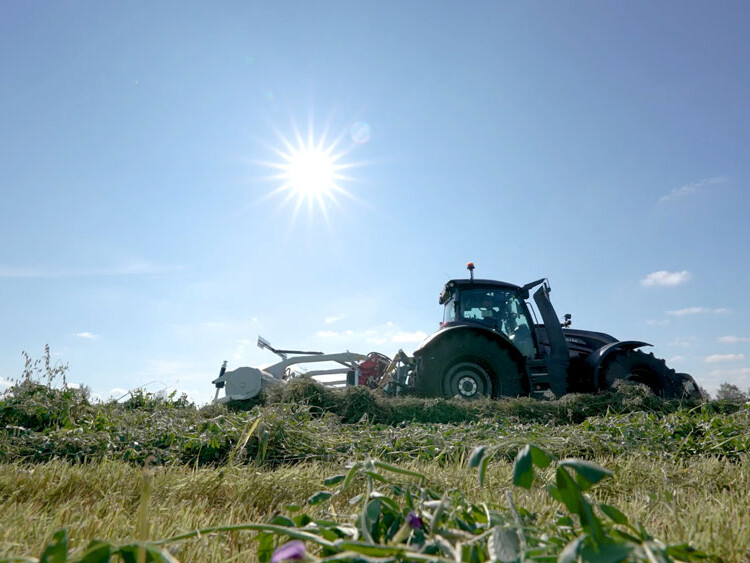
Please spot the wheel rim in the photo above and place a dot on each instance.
(468, 380)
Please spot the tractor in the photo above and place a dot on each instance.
(490, 344)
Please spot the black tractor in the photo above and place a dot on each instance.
(491, 344)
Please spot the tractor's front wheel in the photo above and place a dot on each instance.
(638, 367)
(468, 380)
(469, 365)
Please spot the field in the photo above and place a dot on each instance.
(355, 476)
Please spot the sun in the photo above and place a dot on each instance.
(311, 171)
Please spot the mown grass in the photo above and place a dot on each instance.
(705, 502)
(292, 432)
(682, 470)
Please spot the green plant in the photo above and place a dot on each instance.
(588, 530)
(41, 398)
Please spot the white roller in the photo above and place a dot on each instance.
(242, 383)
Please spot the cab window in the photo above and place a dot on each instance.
(501, 310)
(449, 313)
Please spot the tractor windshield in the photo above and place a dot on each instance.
(502, 310)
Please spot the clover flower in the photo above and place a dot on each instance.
(290, 551)
(414, 521)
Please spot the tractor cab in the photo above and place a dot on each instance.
(495, 305)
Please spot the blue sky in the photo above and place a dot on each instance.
(594, 143)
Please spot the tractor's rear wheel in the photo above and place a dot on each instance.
(638, 367)
(690, 389)
(471, 365)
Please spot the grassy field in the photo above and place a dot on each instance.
(151, 469)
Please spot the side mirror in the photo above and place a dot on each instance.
(567, 322)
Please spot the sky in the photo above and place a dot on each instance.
(152, 224)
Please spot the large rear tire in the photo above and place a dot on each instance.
(690, 389)
(471, 365)
(638, 367)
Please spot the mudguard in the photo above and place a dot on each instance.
(595, 360)
(434, 340)
(431, 350)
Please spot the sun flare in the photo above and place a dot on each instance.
(311, 172)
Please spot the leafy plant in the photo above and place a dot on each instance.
(593, 531)
(41, 397)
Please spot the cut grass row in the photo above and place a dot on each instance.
(286, 434)
(317, 425)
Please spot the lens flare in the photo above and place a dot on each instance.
(360, 132)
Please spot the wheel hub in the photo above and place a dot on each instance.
(467, 386)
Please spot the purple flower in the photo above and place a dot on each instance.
(290, 551)
(414, 521)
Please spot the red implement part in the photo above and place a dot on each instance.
(372, 369)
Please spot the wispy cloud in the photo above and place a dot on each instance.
(407, 337)
(676, 359)
(4, 383)
(242, 345)
(663, 278)
(87, 335)
(129, 268)
(730, 372)
(691, 188)
(11, 272)
(721, 358)
(165, 368)
(681, 343)
(117, 392)
(378, 335)
(698, 311)
(335, 333)
(334, 319)
(733, 339)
